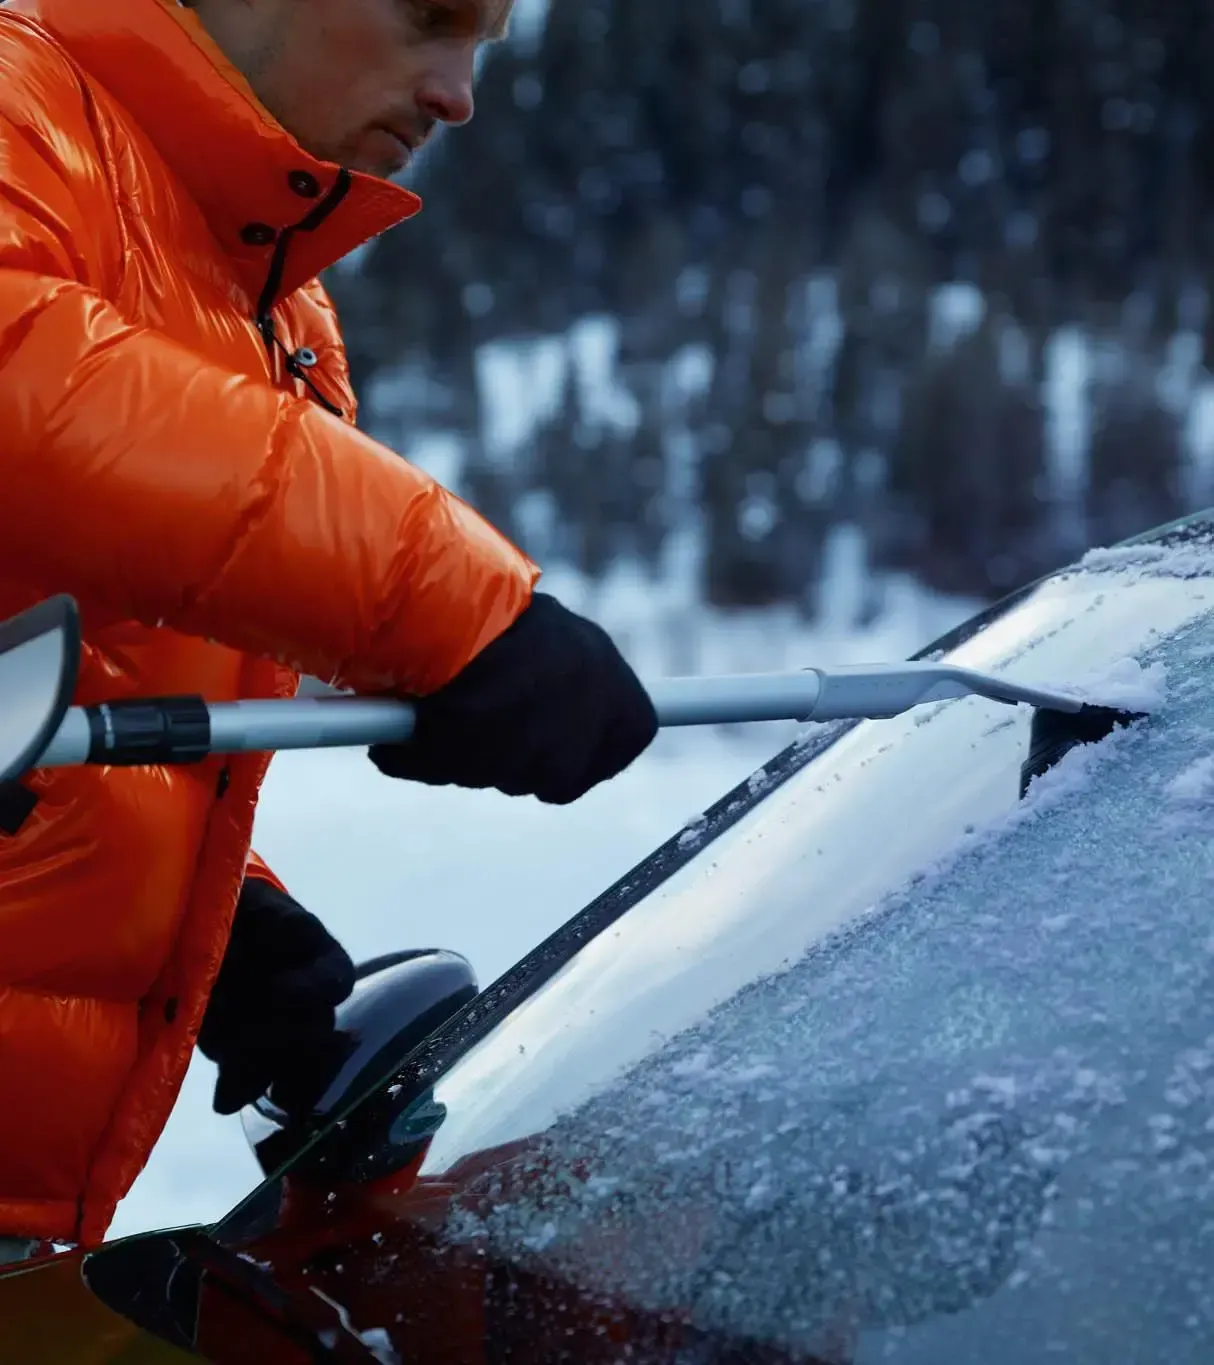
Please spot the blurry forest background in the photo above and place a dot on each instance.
(716, 278)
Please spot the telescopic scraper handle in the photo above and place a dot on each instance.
(39, 728)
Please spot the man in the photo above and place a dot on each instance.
(177, 451)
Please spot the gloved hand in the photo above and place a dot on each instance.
(271, 1014)
(549, 709)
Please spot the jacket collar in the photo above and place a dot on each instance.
(242, 168)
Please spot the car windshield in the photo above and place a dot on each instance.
(893, 1065)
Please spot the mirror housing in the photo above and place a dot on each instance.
(39, 665)
(398, 1002)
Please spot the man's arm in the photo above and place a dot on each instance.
(163, 488)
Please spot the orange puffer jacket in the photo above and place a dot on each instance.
(163, 459)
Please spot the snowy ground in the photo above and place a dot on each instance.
(390, 865)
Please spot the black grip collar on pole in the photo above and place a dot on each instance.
(149, 730)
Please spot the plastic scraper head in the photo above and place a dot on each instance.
(1056, 733)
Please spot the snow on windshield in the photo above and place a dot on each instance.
(1124, 685)
(883, 804)
(977, 1123)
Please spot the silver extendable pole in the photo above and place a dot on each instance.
(873, 692)
(309, 723)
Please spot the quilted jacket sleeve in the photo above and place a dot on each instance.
(167, 490)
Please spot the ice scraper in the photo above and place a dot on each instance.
(40, 728)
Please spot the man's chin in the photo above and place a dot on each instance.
(381, 154)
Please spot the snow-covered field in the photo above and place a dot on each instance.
(390, 865)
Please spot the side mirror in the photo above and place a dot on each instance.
(39, 664)
(398, 1002)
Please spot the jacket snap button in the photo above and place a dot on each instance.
(306, 358)
(257, 234)
(304, 184)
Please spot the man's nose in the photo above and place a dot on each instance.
(445, 91)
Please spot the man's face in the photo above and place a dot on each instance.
(359, 82)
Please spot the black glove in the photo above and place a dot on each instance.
(270, 1019)
(549, 709)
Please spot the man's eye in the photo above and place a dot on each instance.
(443, 20)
